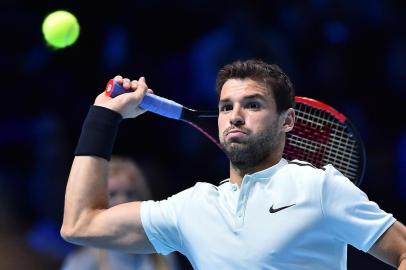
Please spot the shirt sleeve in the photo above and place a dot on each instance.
(160, 220)
(350, 215)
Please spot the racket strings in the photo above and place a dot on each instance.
(336, 152)
(339, 137)
(320, 139)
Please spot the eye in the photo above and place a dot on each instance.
(131, 194)
(253, 105)
(112, 194)
(226, 107)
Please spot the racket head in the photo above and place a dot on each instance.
(322, 135)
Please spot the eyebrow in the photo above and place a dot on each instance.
(254, 96)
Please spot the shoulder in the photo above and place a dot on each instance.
(301, 165)
(198, 188)
(302, 172)
(326, 179)
(299, 169)
(186, 195)
(204, 189)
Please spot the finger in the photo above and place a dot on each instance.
(142, 86)
(134, 84)
(126, 83)
(118, 79)
(150, 91)
(140, 91)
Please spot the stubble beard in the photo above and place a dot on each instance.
(255, 150)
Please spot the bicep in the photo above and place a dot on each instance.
(118, 228)
(391, 246)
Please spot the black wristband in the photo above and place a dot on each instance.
(99, 132)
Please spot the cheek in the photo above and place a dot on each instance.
(262, 124)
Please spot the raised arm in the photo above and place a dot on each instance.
(87, 221)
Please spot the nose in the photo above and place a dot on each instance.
(237, 117)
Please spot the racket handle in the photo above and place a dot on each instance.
(150, 102)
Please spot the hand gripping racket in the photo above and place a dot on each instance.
(321, 134)
(168, 108)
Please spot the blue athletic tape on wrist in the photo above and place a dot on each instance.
(99, 132)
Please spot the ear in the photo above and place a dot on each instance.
(288, 118)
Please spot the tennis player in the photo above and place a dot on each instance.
(270, 214)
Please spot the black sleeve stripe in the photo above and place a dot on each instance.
(224, 181)
(305, 164)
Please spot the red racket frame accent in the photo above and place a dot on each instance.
(320, 105)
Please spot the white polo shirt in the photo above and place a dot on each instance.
(289, 216)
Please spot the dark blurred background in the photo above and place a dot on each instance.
(349, 54)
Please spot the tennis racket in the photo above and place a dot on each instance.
(168, 108)
(321, 134)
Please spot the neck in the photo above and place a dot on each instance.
(238, 173)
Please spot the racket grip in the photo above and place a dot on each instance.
(150, 102)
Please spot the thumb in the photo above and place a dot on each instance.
(141, 89)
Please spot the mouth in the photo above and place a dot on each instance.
(235, 133)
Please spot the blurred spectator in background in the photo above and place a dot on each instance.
(126, 183)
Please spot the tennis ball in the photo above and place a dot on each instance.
(60, 29)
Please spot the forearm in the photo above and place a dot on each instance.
(86, 192)
(87, 221)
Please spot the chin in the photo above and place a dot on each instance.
(236, 141)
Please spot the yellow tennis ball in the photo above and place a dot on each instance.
(60, 29)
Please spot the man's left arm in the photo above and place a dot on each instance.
(391, 246)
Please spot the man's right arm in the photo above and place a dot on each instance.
(87, 220)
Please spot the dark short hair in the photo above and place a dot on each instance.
(270, 75)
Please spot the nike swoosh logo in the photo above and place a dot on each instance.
(274, 210)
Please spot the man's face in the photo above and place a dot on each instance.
(121, 188)
(249, 125)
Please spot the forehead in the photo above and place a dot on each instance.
(240, 88)
(121, 180)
